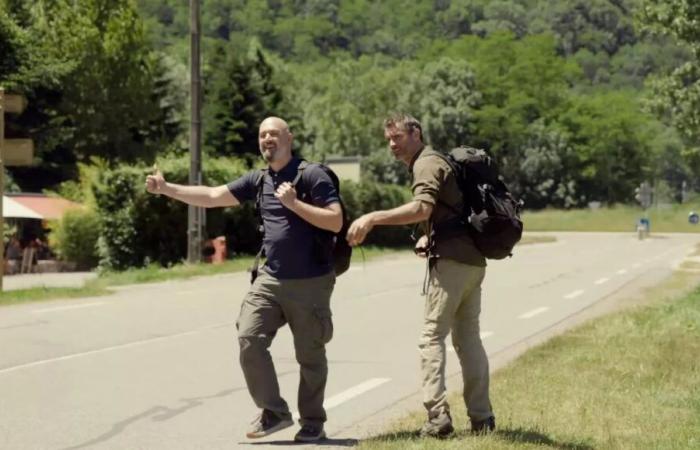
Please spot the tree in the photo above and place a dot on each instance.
(677, 97)
(241, 94)
(95, 87)
(444, 96)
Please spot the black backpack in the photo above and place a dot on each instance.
(490, 213)
(325, 242)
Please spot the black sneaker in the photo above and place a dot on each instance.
(310, 433)
(438, 427)
(485, 426)
(267, 423)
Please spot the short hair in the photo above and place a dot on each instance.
(405, 122)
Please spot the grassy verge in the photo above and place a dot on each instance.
(626, 381)
(536, 239)
(619, 218)
(153, 274)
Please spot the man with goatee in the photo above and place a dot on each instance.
(294, 285)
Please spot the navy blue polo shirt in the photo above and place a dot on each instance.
(289, 239)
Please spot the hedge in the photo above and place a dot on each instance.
(137, 228)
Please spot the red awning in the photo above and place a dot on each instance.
(46, 207)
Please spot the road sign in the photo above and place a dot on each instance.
(17, 152)
(693, 218)
(14, 104)
(643, 194)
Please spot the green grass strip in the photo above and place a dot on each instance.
(630, 380)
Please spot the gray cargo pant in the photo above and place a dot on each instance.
(453, 305)
(305, 305)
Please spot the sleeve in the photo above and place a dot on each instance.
(323, 192)
(244, 188)
(428, 177)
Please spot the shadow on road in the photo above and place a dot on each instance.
(515, 435)
(326, 442)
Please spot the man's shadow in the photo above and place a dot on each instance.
(330, 442)
(515, 435)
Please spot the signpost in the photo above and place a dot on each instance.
(13, 152)
(643, 194)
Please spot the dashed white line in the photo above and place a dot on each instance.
(533, 313)
(621, 271)
(602, 280)
(65, 308)
(351, 393)
(114, 347)
(574, 294)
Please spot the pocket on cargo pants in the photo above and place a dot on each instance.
(325, 321)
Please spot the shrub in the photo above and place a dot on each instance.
(138, 228)
(74, 237)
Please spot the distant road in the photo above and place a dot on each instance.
(156, 366)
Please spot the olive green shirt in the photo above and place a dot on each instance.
(435, 184)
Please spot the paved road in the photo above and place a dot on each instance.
(155, 366)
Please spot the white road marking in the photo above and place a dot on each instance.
(65, 308)
(533, 313)
(622, 271)
(574, 294)
(114, 347)
(483, 335)
(602, 280)
(351, 393)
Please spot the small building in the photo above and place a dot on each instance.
(346, 167)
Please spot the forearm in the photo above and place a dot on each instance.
(329, 218)
(408, 213)
(203, 196)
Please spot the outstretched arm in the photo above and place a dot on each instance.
(204, 196)
(411, 212)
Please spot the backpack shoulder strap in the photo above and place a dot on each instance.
(300, 171)
(259, 183)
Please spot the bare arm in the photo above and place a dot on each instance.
(327, 218)
(204, 196)
(411, 212)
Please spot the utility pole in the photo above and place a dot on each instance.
(195, 215)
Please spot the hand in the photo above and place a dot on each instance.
(155, 183)
(287, 195)
(421, 248)
(358, 230)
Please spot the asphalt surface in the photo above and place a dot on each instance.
(156, 366)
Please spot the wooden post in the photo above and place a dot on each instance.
(2, 184)
(13, 152)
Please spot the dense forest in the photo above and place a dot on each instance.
(578, 100)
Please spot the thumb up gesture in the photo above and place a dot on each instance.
(155, 182)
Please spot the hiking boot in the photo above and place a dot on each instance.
(310, 433)
(438, 427)
(267, 423)
(485, 426)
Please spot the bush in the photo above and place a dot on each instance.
(367, 196)
(74, 238)
(138, 228)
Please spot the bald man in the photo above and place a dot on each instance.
(296, 282)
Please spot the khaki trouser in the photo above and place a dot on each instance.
(305, 305)
(453, 304)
